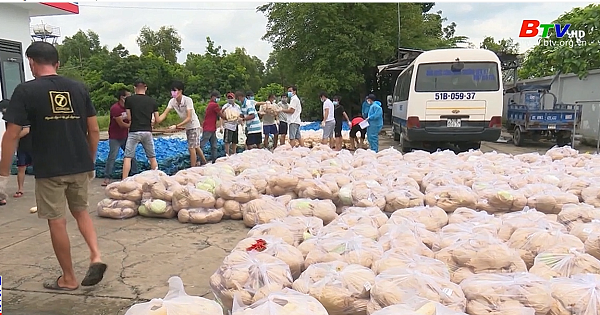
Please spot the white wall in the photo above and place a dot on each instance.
(569, 89)
(14, 25)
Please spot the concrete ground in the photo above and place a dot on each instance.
(141, 253)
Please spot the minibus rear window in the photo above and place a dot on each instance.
(474, 77)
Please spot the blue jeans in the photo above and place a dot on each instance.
(373, 137)
(114, 145)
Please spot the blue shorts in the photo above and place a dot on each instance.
(24, 159)
(270, 130)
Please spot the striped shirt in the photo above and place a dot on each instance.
(282, 116)
(253, 125)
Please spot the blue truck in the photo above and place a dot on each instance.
(531, 120)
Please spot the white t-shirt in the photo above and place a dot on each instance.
(182, 108)
(297, 106)
(328, 104)
(231, 125)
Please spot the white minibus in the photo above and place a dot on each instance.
(448, 96)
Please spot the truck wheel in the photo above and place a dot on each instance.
(518, 137)
(404, 145)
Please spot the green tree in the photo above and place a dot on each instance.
(272, 88)
(503, 46)
(567, 54)
(165, 42)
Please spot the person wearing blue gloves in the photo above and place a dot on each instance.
(375, 119)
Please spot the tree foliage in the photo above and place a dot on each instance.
(502, 46)
(567, 54)
(336, 46)
(165, 42)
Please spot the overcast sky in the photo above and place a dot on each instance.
(238, 24)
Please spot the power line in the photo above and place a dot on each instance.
(170, 9)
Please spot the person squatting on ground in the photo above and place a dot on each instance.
(118, 130)
(231, 135)
(375, 119)
(65, 135)
(328, 123)
(340, 115)
(141, 110)
(209, 126)
(184, 107)
(269, 122)
(282, 117)
(354, 130)
(253, 125)
(293, 112)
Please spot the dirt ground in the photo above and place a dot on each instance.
(141, 253)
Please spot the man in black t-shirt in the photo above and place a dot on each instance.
(141, 108)
(64, 134)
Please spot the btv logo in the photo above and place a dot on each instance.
(530, 28)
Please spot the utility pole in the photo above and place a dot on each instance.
(399, 30)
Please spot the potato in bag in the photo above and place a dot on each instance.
(117, 209)
(322, 209)
(284, 302)
(556, 263)
(187, 197)
(572, 214)
(450, 198)
(351, 249)
(576, 295)
(200, 215)
(262, 210)
(127, 189)
(275, 247)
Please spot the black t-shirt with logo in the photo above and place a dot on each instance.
(142, 108)
(57, 109)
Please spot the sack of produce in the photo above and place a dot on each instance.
(317, 188)
(200, 215)
(161, 188)
(488, 292)
(591, 195)
(551, 203)
(453, 233)
(419, 306)
(251, 274)
(405, 239)
(363, 193)
(186, 197)
(156, 208)
(575, 185)
(576, 295)
(584, 230)
(262, 210)
(343, 289)
(351, 249)
(177, 301)
(555, 263)
(275, 247)
(403, 198)
(340, 228)
(220, 170)
(481, 253)
(358, 215)
(258, 177)
(439, 178)
(527, 218)
(463, 214)
(559, 153)
(495, 200)
(572, 214)
(532, 241)
(127, 189)
(208, 183)
(284, 302)
(322, 209)
(187, 177)
(399, 285)
(293, 230)
(117, 209)
(530, 190)
(427, 265)
(450, 198)
(521, 181)
(433, 217)
(401, 182)
(238, 190)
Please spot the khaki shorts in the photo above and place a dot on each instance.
(52, 195)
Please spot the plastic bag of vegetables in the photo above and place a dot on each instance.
(238, 190)
(352, 249)
(577, 295)
(127, 189)
(284, 302)
(275, 247)
(488, 292)
(117, 209)
(251, 274)
(176, 302)
(322, 209)
(156, 208)
(293, 230)
(358, 215)
(200, 215)
(394, 259)
(343, 289)
(555, 263)
(186, 197)
(419, 306)
(262, 210)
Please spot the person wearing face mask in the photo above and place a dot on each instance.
(340, 115)
(118, 130)
(269, 122)
(252, 121)
(231, 136)
(293, 111)
(375, 120)
(209, 126)
(365, 107)
(184, 107)
(283, 125)
(328, 123)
